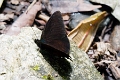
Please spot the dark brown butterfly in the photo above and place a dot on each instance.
(54, 37)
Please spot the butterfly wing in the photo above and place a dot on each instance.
(54, 34)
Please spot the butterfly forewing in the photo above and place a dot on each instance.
(54, 27)
(54, 34)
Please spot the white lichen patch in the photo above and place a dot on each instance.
(18, 53)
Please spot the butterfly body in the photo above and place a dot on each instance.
(54, 37)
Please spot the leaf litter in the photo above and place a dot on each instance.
(103, 50)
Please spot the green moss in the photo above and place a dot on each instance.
(48, 77)
(36, 68)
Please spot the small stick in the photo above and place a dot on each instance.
(31, 5)
(44, 17)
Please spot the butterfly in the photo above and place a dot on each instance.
(54, 36)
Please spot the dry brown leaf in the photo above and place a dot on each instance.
(85, 31)
(2, 25)
(115, 38)
(96, 55)
(71, 6)
(114, 4)
(101, 47)
(115, 69)
(110, 48)
(65, 17)
(26, 19)
(105, 48)
(111, 3)
(10, 15)
(4, 17)
(116, 11)
(15, 2)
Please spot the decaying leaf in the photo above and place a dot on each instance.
(114, 67)
(15, 2)
(1, 1)
(111, 3)
(115, 38)
(67, 6)
(101, 47)
(114, 4)
(26, 19)
(85, 31)
(4, 17)
(105, 48)
(2, 25)
(116, 11)
(102, 52)
(65, 17)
